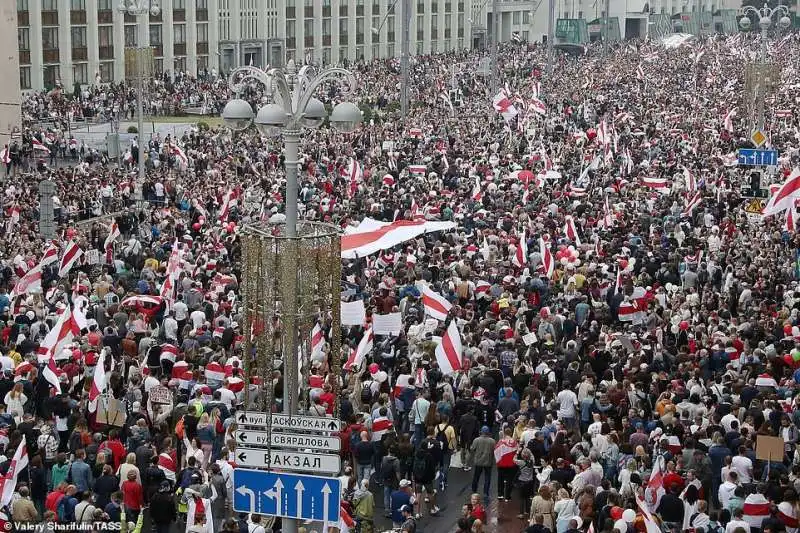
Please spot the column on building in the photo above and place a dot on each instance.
(168, 34)
(191, 38)
(92, 40)
(213, 35)
(37, 56)
(236, 32)
(65, 47)
(119, 45)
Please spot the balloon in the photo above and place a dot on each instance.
(788, 359)
(629, 515)
(616, 512)
(196, 226)
(621, 525)
(787, 330)
(684, 325)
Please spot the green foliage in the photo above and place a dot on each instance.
(133, 129)
(203, 126)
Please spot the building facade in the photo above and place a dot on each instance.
(10, 97)
(75, 41)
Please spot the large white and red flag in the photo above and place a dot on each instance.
(50, 255)
(39, 147)
(30, 282)
(372, 236)
(548, 261)
(98, 381)
(785, 196)
(5, 156)
(689, 180)
(502, 104)
(72, 253)
(113, 235)
(691, 203)
(358, 355)
(659, 184)
(228, 201)
(435, 305)
(655, 485)
(180, 156)
(790, 223)
(317, 339)
(50, 373)
(570, 230)
(449, 351)
(9, 482)
(727, 122)
(64, 331)
(521, 253)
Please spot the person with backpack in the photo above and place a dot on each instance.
(426, 459)
(390, 477)
(446, 435)
(185, 476)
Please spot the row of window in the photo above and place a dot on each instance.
(376, 6)
(104, 5)
(105, 36)
(81, 74)
(327, 52)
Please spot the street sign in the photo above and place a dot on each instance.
(289, 460)
(755, 206)
(288, 440)
(758, 138)
(287, 495)
(757, 158)
(297, 422)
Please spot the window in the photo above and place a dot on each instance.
(51, 74)
(390, 28)
(342, 55)
(360, 30)
(78, 5)
(49, 38)
(25, 77)
(24, 38)
(202, 33)
(107, 72)
(420, 7)
(526, 17)
(326, 56)
(201, 4)
(326, 27)
(80, 73)
(516, 17)
(180, 64)
(131, 35)
(389, 49)
(376, 51)
(104, 5)
(155, 35)
(420, 27)
(78, 36)
(202, 63)
(290, 34)
(22, 5)
(376, 23)
(342, 31)
(179, 32)
(49, 5)
(420, 48)
(178, 4)
(158, 67)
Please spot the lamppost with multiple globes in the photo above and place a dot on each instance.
(140, 9)
(765, 17)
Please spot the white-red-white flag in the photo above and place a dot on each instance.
(548, 262)
(790, 220)
(570, 230)
(72, 253)
(5, 156)
(449, 350)
(9, 482)
(727, 121)
(98, 381)
(62, 334)
(30, 282)
(691, 203)
(659, 184)
(502, 104)
(521, 253)
(50, 373)
(435, 305)
(689, 179)
(477, 192)
(113, 235)
(785, 196)
(358, 355)
(39, 147)
(317, 339)
(50, 255)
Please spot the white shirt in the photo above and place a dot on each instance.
(726, 493)
(227, 397)
(198, 317)
(734, 524)
(743, 466)
(726, 421)
(181, 310)
(567, 400)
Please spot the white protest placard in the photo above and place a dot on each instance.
(92, 257)
(430, 326)
(353, 313)
(387, 146)
(414, 332)
(529, 338)
(389, 324)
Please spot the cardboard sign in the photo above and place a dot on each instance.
(92, 257)
(160, 394)
(529, 339)
(389, 324)
(353, 313)
(111, 411)
(769, 448)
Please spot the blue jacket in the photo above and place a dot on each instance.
(399, 498)
(81, 475)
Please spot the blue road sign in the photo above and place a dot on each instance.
(287, 495)
(757, 158)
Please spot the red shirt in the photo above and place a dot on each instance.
(479, 513)
(132, 495)
(327, 399)
(117, 451)
(672, 477)
(52, 499)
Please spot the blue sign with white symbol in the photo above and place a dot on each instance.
(287, 495)
(757, 158)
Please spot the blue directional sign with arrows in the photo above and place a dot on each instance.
(288, 495)
(757, 158)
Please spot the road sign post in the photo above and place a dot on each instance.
(288, 440)
(293, 496)
(289, 460)
(293, 422)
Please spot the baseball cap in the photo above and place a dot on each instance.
(405, 483)
(406, 509)
(485, 429)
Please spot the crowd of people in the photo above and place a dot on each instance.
(628, 323)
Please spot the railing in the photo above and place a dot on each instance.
(49, 18)
(202, 48)
(179, 15)
(79, 54)
(201, 15)
(106, 52)
(105, 16)
(23, 18)
(77, 17)
(290, 12)
(24, 57)
(179, 49)
(50, 56)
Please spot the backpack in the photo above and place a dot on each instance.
(441, 436)
(186, 477)
(366, 392)
(420, 465)
(355, 438)
(388, 471)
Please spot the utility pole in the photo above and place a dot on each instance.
(551, 20)
(494, 75)
(606, 21)
(404, 59)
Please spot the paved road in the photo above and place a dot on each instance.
(502, 515)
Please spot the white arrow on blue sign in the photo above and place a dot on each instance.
(287, 495)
